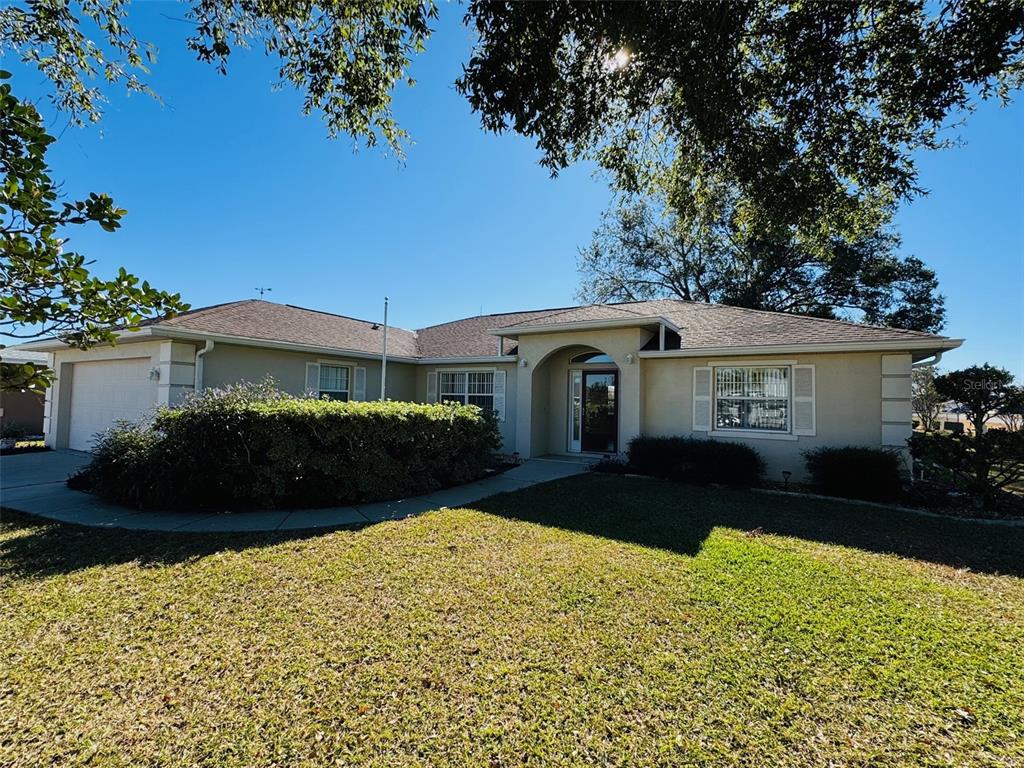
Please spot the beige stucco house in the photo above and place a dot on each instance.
(562, 381)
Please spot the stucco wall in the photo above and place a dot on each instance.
(542, 392)
(508, 426)
(848, 403)
(231, 363)
(173, 360)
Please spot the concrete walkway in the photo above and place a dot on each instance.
(34, 483)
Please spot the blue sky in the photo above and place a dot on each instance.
(228, 187)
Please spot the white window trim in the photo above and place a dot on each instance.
(752, 434)
(351, 374)
(465, 395)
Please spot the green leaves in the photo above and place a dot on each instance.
(346, 57)
(709, 243)
(809, 108)
(44, 288)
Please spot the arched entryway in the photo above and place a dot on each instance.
(575, 406)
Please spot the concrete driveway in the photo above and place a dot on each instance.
(34, 483)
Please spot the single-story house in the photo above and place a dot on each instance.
(582, 379)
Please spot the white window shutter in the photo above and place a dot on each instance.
(499, 394)
(359, 384)
(313, 379)
(701, 399)
(804, 421)
(431, 386)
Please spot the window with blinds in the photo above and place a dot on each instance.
(752, 397)
(334, 382)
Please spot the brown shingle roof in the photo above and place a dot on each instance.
(716, 325)
(470, 337)
(701, 326)
(584, 314)
(256, 319)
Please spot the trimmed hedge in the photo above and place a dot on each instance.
(873, 474)
(252, 446)
(692, 460)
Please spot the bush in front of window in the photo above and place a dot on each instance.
(873, 474)
(251, 446)
(693, 460)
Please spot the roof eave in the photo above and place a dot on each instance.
(189, 334)
(895, 345)
(467, 359)
(56, 345)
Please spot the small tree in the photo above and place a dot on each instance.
(984, 464)
(981, 390)
(926, 400)
(1012, 411)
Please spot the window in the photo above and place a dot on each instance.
(752, 398)
(592, 357)
(334, 382)
(467, 387)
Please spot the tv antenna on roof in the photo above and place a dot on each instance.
(261, 291)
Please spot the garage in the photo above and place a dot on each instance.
(105, 391)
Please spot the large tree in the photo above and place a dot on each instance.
(811, 108)
(45, 287)
(725, 250)
(345, 56)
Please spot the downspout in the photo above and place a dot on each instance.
(933, 360)
(198, 386)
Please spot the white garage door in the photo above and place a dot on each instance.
(105, 391)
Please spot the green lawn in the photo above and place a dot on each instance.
(598, 620)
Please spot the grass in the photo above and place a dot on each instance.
(599, 619)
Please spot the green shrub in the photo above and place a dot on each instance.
(253, 446)
(983, 465)
(9, 430)
(692, 460)
(873, 474)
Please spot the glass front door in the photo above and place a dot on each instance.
(599, 415)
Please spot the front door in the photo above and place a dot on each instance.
(594, 421)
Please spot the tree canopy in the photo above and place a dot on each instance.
(345, 56)
(811, 108)
(46, 289)
(981, 390)
(725, 250)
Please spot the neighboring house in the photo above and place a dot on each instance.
(572, 380)
(23, 407)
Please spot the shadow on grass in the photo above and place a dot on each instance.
(47, 547)
(678, 518)
(652, 513)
